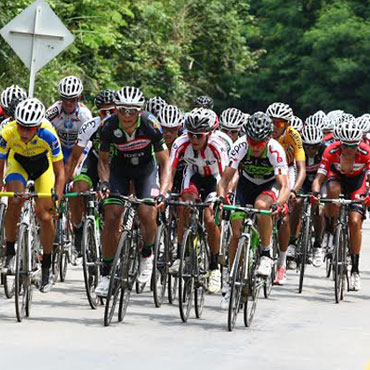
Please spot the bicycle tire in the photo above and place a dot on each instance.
(90, 262)
(6, 279)
(115, 283)
(65, 247)
(306, 239)
(9, 285)
(172, 288)
(343, 270)
(186, 278)
(270, 281)
(201, 284)
(173, 280)
(337, 266)
(160, 265)
(254, 286)
(22, 283)
(237, 276)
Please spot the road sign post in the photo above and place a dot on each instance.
(37, 36)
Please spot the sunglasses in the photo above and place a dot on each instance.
(107, 111)
(350, 145)
(312, 146)
(129, 111)
(171, 129)
(279, 123)
(231, 131)
(71, 100)
(196, 135)
(256, 144)
(24, 128)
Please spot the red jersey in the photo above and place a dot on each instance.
(331, 162)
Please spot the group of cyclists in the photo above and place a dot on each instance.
(151, 149)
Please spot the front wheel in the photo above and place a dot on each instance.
(338, 263)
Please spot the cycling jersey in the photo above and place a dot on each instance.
(291, 141)
(331, 161)
(226, 139)
(68, 125)
(210, 161)
(89, 131)
(366, 139)
(259, 170)
(313, 163)
(135, 150)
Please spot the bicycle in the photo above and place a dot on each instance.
(90, 245)
(341, 259)
(125, 266)
(245, 284)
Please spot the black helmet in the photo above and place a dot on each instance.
(104, 97)
(200, 120)
(260, 126)
(203, 101)
(13, 105)
(154, 105)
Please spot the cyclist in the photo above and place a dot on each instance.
(296, 123)
(314, 148)
(88, 177)
(263, 169)
(346, 164)
(364, 124)
(203, 101)
(139, 145)
(155, 104)
(32, 150)
(68, 115)
(231, 122)
(281, 115)
(10, 93)
(206, 157)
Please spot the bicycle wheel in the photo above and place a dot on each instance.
(173, 280)
(65, 247)
(116, 282)
(269, 281)
(160, 265)
(344, 269)
(305, 246)
(90, 262)
(237, 280)
(253, 288)
(130, 253)
(337, 263)
(186, 278)
(22, 280)
(201, 282)
(9, 285)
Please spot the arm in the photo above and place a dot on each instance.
(59, 173)
(284, 189)
(319, 180)
(103, 166)
(2, 168)
(227, 176)
(165, 166)
(72, 162)
(301, 175)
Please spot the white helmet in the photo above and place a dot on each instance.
(232, 118)
(311, 135)
(296, 123)
(280, 110)
(346, 117)
(70, 87)
(332, 115)
(364, 123)
(350, 132)
(30, 112)
(129, 96)
(316, 120)
(171, 117)
(11, 92)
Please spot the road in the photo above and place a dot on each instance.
(290, 331)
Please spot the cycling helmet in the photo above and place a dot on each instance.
(170, 116)
(104, 97)
(129, 96)
(350, 132)
(311, 135)
(70, 87)
(154, 105)
(332, 115)
(204, 101)
(232, 118)
(280, 110)
(364, 123)
(259, 127)
(200, 120)
(13, 105)
(316, 120)
(30, 112)
(296, 123)
(13, 91)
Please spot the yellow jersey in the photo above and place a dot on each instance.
(45, 142)
(291, 141)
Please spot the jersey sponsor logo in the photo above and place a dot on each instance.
(68, 124)
(86, 126)
(155, 122)
(279, 159)
(52, 113)
(54, 145)
(2, 142)
(134, 145)
(118, 133)
(238, 147)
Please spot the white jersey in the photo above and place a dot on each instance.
(259, 170)
(68, 125)
(210, 161)
(226, 139)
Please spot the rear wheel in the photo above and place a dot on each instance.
(338, 263)
(305, 246)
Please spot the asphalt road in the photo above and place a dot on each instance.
(290, 330)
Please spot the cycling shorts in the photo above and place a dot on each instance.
(89, 171)
(352, 187)
(203, 187)
(66, 153)
(38, 169)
